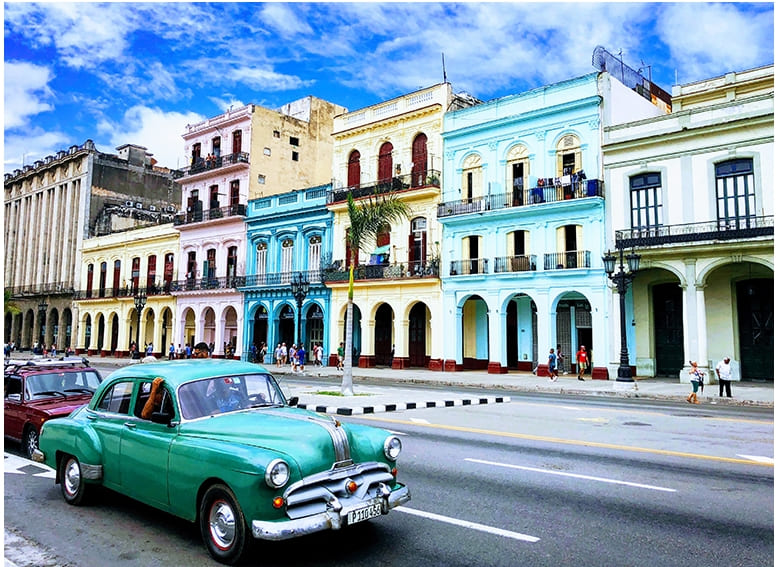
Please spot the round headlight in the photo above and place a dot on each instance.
(277, 474)
(392, 448)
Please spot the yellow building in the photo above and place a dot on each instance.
(121, 272)
(394, 147)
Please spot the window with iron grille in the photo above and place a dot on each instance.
(735, 192)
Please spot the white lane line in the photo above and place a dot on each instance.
(758, 459)
(573, 475)
(466, 524)
(420, 420)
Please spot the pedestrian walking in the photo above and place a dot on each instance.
(293, 357)
(724, 373)
(697, 378)
(301, 358)
(341, 355)
(552, 371)
(277, 355)
(560, 360)
(583, 361)
(171, 353)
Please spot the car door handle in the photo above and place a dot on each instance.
(129, 425)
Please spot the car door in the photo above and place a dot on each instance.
(108, 419)
(13, 408)
(145, 448)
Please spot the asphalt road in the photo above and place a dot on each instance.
(535, 482)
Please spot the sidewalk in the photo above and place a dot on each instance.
(381, 389)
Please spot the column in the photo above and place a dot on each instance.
(367, 356)
(497, 357)
(401, 341)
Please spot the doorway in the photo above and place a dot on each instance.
(668, 329)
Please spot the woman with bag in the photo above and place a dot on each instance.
(697, 378)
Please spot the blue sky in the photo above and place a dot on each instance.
(137, 73)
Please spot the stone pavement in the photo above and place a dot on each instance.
(384, 389)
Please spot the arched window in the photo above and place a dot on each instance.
(354, 169)
(385, 163)
(314, 256)
(90, 273)
(517, 173)
(287, 260)
(237, 141)
(417, 243)
(261, 268)
(568, 155)
(168, 270)
(472, 180)
(151, 271)
(419, 159)
(103, 276)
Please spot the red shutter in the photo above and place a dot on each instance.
(419, 158)
(385, 163)
(411, 242)
(354, 169)
(423, 258)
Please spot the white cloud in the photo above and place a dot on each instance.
(32, 145)
(26, 91)
(265, 79)
(158, 131)
(283, 18)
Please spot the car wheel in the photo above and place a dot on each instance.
(71, 481)
(30, 441)
(223, 526)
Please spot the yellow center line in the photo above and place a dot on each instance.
(562, 441)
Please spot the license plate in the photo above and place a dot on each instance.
(362, 514)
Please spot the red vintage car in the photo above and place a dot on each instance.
(39, 390)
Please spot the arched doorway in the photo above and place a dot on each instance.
(231, 329)
(286, 325)
(384, 335)
(259, 335)
(67, 322)
(418, 325)
(100, 332)
(87, 332)
(114, 324)
(54, 322)
(314, 327)
(189, 327)
(475, 334)
(521, 331)
(667, 300)
(209, 326)
(574, 328)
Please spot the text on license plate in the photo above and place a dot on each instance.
(362, 514)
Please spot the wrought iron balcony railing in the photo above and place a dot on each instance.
(468, 267)
(725, 229)
(110, 292)
(202, 164)
(280, 278)
(56, 288)
(567, 260)
(428, 178)
(206, 283)
(413, 270)
(515, 264)
(523, 197)
(209, 214)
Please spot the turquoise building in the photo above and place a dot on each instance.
(523, 215)
(288, 238)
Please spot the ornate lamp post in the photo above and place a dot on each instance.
(42, 307)
(300, 285)
(140, 301)
(622, 279)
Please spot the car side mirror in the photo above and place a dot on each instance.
(293, 401)
(161, 417)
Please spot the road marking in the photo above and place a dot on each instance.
(758, 459)
(574, 475)
(467, 524)
(419, 420)
(19, 465)
(594, 419)
(565, 441)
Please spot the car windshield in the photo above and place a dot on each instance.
(228, 393)
(62, 383)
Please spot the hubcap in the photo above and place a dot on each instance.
(32, 442)
(72, 478)
(222, 522)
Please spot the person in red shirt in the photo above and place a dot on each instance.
(583, 361)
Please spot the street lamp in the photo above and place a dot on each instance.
(42, 307)
(140, 301)
(622, 279)
(300, 287)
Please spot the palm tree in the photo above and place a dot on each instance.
(368, 219)
(10, 306)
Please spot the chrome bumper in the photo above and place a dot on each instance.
(333, 519)
(38, 456)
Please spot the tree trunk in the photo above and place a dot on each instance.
(347, 385)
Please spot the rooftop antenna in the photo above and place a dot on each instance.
(443, 59)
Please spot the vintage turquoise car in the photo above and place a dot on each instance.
(216, 442)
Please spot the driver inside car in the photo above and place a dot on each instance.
(225, 394)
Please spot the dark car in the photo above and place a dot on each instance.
(39, 390)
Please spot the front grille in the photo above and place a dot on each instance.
(316, 493)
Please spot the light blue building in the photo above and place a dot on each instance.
(288, 237)
(524, 227)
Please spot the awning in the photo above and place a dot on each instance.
(381, 250)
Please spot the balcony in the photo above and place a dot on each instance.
(209, 214)
(469, 267)
(201, 166)
(567, 260)
(730, 229)
(280, 278)
(119, 292)
(412, 271)
(429, 178)
(515, 264)
(57, 288)
(205, 284)
(523, 197)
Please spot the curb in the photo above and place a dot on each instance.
(385, 408)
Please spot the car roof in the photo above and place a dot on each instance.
(43, 365)
(177, 372)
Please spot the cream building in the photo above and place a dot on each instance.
(692, 193)
(123, 272)
(51, 208)
(394, 147)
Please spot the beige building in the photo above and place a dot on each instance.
(394, 147)
(692, 194)
(51, 208)
(123, 272)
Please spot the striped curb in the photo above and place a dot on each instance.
(405, 406)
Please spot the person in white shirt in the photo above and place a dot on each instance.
(724, 372)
